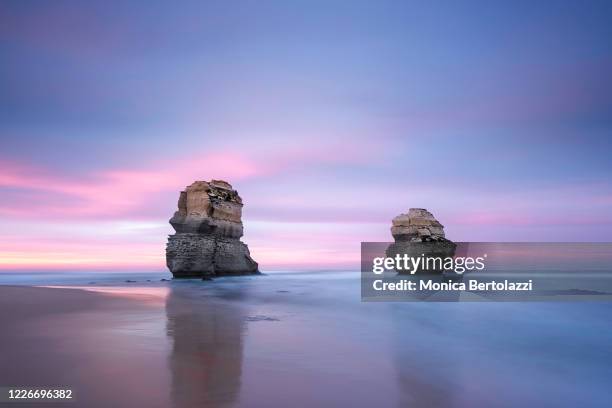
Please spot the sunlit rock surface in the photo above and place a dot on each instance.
(208, 227)
(417, 225)
(418, 233)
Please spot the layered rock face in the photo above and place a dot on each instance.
(208, 227)
(418, 225)
(418, 233)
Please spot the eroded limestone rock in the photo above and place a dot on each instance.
(208, 225)
(417, 225)
(418, 233)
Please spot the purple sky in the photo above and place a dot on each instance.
(330, 118)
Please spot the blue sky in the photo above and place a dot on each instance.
(329, 118)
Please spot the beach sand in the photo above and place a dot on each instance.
(109, 350)
(298, 340)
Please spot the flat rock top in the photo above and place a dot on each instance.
(416, 216)
(209, 207)
(214, 189)
(417, 225)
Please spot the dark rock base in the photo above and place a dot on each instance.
(415, 249)
(191, 255)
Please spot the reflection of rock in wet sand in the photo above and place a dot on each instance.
(422, 374)
(206, 358)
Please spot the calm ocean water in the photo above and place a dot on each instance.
(306, 339)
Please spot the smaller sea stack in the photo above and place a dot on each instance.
(418, 233)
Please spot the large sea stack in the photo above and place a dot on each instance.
(208, 227)
(418, 233)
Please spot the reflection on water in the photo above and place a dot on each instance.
(302, 340)
(149, 295)
(207, 349)
(109, 350)
(422, 367)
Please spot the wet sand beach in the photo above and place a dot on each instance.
(298, 340)
(109, 350)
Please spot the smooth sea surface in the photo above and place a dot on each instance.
(303, 339)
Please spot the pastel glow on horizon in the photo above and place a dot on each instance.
(329, 120)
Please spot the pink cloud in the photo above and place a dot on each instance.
(116, 191)
(130, 191)
(59, 221)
